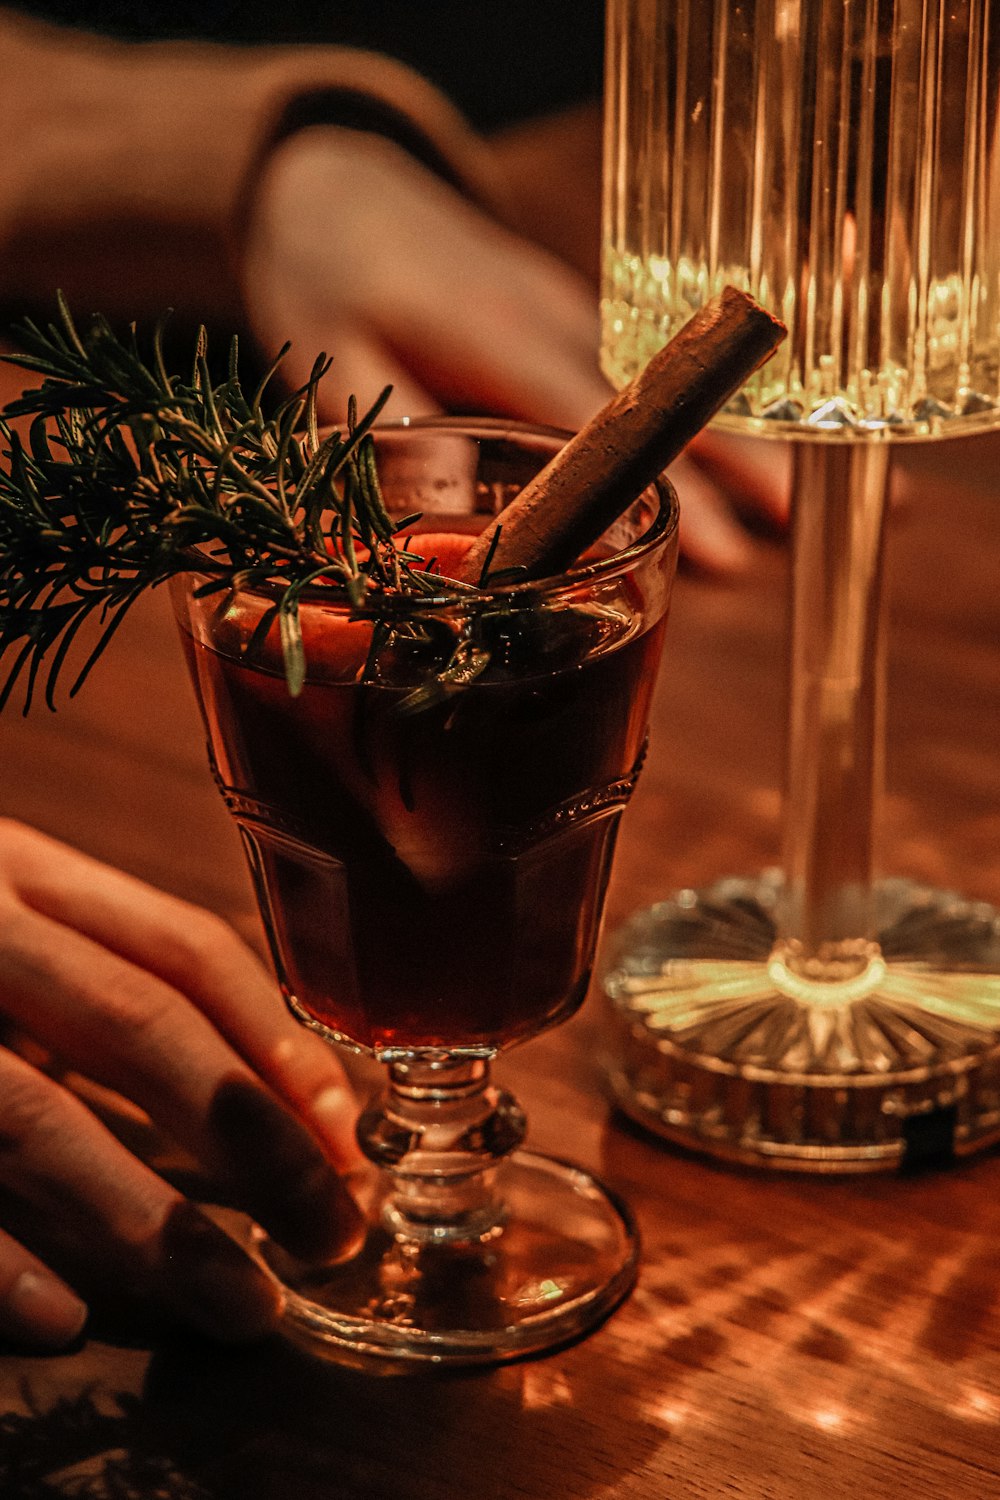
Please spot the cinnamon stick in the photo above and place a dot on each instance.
(608, 464)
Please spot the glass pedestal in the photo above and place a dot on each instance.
(723, 1040)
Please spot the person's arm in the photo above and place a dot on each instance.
(128, 166)
(323, 195)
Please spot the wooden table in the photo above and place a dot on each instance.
(788, 1337)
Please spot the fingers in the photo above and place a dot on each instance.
(353, 239)
(504, 366)
(754, 472)
(502, 327)
(36, 1307)
(349, 233)
(68, 1187)
(720, 478)
(99, 1208)
(196, 956)
(362, 367)
(710, 535)
(131, 1032)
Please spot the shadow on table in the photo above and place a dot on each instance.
(272, 1424)
(807, 1320)
(793, 1306)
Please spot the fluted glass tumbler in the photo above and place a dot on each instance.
(429, 825)
(839, 160)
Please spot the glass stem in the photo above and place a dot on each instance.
(440, 1130)
(835, 751)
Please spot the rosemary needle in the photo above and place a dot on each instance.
(126, 467)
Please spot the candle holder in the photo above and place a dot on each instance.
(840, 163)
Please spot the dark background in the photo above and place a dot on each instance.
(499, 62)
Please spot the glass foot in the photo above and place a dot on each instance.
(565, 1255)
(719, 1043)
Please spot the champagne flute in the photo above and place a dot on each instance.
(430, 824)
(839, 160)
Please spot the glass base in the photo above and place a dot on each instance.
(717, 1043)
(563, 1258)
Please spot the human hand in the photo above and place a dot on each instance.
(126, 1009)
(355, 248)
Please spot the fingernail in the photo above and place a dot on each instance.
(335, 1111)
(316, 1219)
(211, 1282)
(283, 1176)
(44, 1310)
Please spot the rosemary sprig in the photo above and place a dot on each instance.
(127, 467)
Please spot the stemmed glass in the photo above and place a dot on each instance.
(430, 850)
(839, 160)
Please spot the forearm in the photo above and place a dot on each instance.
(128, 168)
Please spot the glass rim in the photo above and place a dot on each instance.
(661, 529)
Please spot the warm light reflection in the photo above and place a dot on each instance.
(542, 1387)
(978, 1405)
(827, 1339)
(670, 1414)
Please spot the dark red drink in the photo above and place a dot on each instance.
(433, 875)
(430, 824)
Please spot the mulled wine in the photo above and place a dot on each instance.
(430, 821)
(431, 862)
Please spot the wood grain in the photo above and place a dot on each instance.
(789, 1338)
